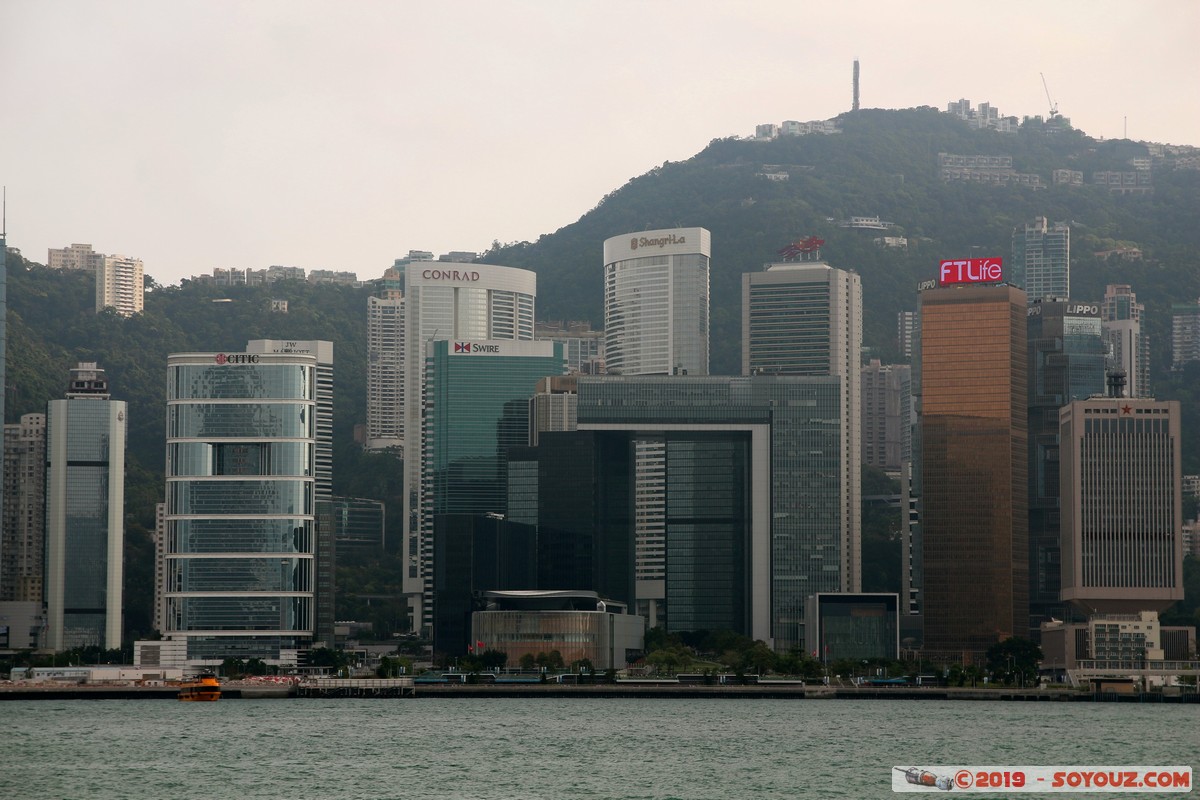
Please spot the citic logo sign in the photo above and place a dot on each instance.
(971, 270)
(237, 358)
(450, 275)
(658, 241)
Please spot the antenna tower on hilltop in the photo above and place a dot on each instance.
(855, 106)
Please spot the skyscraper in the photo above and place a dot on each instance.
(323, 607)
(1066, 362)
(85, 513)
(385, 363)
(3, 333)
(906, 331)
(241, 537)
(459, 302)
(1121, 504)
(751, 506)
(1127, 345)
(886, 415)
(476, 408)
(23, 526)
(1041, 254)
(1185, 333)
(974, 437)
(119, 285)
(805, 318)
(656, 302)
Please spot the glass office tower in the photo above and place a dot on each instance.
(1041, 254)
(752, 484)
(476, 408)
(240, 510)
(1066, 362)
(974, 436)
(85, 514)
(456, 302)
(805, 318)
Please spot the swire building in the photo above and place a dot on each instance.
(476, 408)
(241, 538)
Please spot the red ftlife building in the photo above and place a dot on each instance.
(973, 468)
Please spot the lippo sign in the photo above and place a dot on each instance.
(971, 270)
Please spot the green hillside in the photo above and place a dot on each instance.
(884, 164)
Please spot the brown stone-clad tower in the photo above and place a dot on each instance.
(974, 465)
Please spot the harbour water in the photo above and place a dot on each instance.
(535, 749)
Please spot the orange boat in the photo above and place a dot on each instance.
(204, 688)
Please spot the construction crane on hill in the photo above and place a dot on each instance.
(1053, 105)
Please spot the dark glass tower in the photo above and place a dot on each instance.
(1066, 362)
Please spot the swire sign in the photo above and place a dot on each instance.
(970, 270)
(475, 347)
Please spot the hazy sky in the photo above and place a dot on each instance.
(340, 135)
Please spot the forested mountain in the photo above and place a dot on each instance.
(884, 163)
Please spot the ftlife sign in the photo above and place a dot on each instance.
(970, 270)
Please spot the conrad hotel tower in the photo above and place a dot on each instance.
(656, 302)
(463, 303)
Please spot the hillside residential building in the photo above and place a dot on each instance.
(76, 256)
(1185, 333)
(119, 285)
(385, 363)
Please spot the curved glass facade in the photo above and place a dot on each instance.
(226, 535)
(656, 302)
(204, 459)
(240, 517)
(242, 420)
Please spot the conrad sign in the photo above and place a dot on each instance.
(453, 275)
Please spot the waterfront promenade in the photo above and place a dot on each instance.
(365, 688)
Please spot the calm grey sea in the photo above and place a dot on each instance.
(553, 748)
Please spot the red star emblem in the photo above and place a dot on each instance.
(1125, 409)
